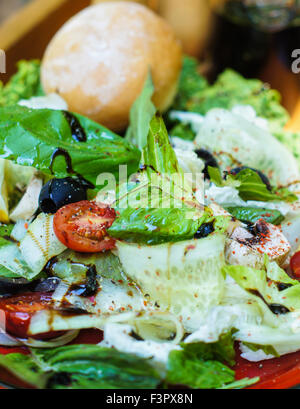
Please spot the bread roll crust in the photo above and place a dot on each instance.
(98, 61)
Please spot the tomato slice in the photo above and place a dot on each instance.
(83, 227)
(19, 309)
(295, 265)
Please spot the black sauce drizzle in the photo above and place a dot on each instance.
(78, 133)
(90, 287)
(62, 152)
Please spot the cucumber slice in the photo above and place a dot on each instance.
(183, 278)
(40, 243)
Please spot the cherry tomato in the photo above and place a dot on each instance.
(295, 265)
(19, 309)
(83, 227)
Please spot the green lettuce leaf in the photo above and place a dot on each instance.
(222, 350)
(201, 366)
(191, 85)
(272, 285)
(197, 374)
(238, 139)
(250, 186)
(183, 131)
(23, 85)
(230, 89)
(30, 138)
(141, 115)
(158, 155)
(267, 349)
(158, 206)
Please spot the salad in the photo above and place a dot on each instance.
(179, 240)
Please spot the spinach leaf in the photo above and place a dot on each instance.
(141, 115)
(24, 368)
(254, 214)
(30, 138)
(92, 366)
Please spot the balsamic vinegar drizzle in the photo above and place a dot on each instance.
(62, 152)
(78, 133)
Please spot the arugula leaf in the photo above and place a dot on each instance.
(23, 85)
(30, 138)
(24, 368)
(141, 115)
(250, 186)
(254, 214)
(92, 366)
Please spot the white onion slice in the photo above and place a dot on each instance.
(9, 341)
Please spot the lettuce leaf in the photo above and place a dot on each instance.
(191, 85)
(278, 291)
(230, 89)
(141, 114)
(238, 140)
(31, 137)
(201, 366)
(196, 373)
(250, 186)
(23, 85)
(159, 205)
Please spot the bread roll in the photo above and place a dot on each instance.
(98, 61)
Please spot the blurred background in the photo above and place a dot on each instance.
(254, 37)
